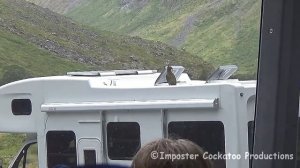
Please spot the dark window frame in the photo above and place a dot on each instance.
(56, 154)
(277, 100)
(21, 106)
(111, 154)
(219, 131)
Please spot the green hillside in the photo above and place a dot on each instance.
(10, 144)
(59, 36)
(59, 6)
(220, 31)
(16, 51)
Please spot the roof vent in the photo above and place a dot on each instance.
(223, 73)
(112, 73)
(86, 73)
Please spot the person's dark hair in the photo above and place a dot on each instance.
(152, 155)
(104, 166)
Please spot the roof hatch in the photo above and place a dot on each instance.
(112, 73)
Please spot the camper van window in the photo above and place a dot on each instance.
(21, 107)
(123, 140)
(90, 157)
(207, 134)
(61, 148)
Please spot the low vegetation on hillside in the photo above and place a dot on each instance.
(219, 31)
(45, 43)
(10, 144)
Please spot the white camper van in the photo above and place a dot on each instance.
(87, 118)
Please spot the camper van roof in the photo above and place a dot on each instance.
(112, 73)
(141, 80)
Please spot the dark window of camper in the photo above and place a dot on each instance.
(21, 107)
(123, 140)
(61, 148)
(90, 157)
(207, 134)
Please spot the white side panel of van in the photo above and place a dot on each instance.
(90, 145)
(149, 121)
(30, 90)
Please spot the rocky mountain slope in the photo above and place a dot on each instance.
(219, 31)
(46, 43)
(59, 6)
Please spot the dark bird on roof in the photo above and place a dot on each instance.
(171, 79)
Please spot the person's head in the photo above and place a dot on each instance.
(169, 153)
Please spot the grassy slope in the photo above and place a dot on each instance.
(104, 50)
(231, 39)
(221, 32)
(16, 51)
(10, 144)
(59, 6)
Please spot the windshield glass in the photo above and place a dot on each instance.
(48, 38)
